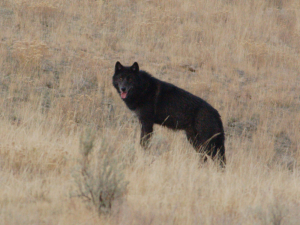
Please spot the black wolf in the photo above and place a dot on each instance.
(158, 102)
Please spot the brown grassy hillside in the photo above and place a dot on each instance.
(56, 63)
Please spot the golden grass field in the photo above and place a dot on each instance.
(56, 64)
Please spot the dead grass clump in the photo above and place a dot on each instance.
(32, 160)
(44, 12)
(29, 53)
(242, 128)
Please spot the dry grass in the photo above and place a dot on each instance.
(56, 63)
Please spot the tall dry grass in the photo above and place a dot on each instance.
(56, 63)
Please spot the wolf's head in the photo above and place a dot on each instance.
(126, 79)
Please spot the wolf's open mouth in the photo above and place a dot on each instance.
(123, 94)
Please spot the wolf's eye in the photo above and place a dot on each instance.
(120, 79)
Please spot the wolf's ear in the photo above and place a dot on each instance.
(118, 67)
(135, 67)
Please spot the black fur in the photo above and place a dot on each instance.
(158, 102)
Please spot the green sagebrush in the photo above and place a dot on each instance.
(99, 177)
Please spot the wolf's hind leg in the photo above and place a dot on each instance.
(195, 141)
(210, 148)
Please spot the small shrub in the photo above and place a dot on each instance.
(99, 180)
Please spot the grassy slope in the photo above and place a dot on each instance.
(56, 63)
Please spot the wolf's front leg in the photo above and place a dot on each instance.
(146, 133)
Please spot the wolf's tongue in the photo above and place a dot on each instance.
(123, 94)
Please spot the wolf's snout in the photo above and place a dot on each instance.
(123, 92)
